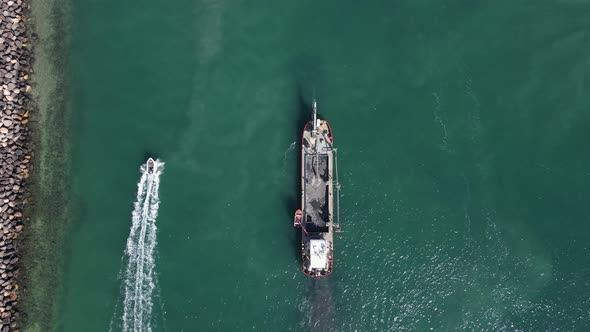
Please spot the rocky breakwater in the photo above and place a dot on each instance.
(15, 103)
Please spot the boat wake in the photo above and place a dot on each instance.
(289, 150)
(318, 307)
(138, 261)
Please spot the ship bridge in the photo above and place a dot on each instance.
(318, 257)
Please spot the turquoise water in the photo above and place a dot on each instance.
(460, 127)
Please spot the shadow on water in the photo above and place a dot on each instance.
(319, 310)
(306, 73)
(318, 307)
(292, 201)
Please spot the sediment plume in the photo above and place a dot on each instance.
(15, 102)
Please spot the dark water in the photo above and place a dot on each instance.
(461, 128)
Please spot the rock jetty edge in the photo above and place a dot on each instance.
(15, 151)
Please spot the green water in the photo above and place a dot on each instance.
(461, 130)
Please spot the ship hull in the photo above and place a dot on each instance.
(316, 217)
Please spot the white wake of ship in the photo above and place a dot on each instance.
(139, 275)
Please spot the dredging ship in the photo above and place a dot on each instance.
(319, 183)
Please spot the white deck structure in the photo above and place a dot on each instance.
(318, 257)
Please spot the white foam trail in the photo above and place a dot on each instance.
(439, 119)
(291, 148)
(139, 276)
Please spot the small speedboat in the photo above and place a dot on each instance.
(150, 166)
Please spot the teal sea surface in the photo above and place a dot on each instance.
(461, 128)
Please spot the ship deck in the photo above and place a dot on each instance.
(317, 199)
(317, 175)
(316, 192)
